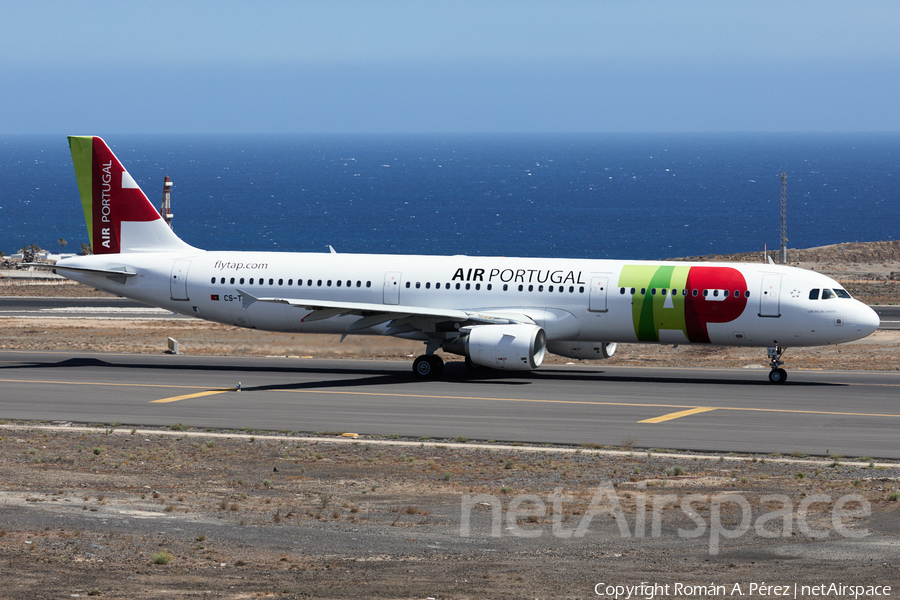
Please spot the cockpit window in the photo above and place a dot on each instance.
(827, 294)
(814, 294)
(841, 293)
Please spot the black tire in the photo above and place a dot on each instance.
(428, 367)
(778, 376)
(437, 366)
(423, 367)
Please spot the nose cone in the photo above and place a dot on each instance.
(867, 320)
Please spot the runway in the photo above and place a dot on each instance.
(720, 410)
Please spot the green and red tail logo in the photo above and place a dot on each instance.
(109, 195)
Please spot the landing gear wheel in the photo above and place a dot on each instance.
(777, 375)
(428, 367)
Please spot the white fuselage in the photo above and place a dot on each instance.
(571, 299)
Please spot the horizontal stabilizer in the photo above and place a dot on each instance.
(115, 271)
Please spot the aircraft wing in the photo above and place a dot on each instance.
(407, 318)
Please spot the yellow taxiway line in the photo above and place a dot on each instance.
(189, 396)
(679, 414)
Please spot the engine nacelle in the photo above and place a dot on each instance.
(509, 347)
(584, 350)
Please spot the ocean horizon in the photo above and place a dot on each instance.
(623, 196)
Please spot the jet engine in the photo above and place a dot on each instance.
(510, 347)
(585, 350)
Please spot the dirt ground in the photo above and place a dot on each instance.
(122, 513)
(116, 512)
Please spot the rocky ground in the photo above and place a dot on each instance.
(121, 513)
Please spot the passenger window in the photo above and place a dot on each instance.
(368, 284)
(643, 291)
(633, 291)
(468, 286)
(520, 287)
(427, 285)
(358, 283)
(747, 294)
(505, 287)
(319, 283)
(328, 283)
(663, 291)
(242, 281)
(213, 280)
(571, 289)
(232, 280)
(581, 289)
(339, 283)
(290, 282)
(622, 291)
(490, 286)
(309, 282)
(281, 282)
(694, 293)
(271, 281)
(222, 280)
(477, 286)
(705, 293)
(418, 285)
(827, 294)
(530, 288)
(457, 286)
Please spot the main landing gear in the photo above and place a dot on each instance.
(428, 366)
(777, 374)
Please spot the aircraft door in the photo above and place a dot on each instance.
(599, 292)
(178, 282)
(770, 296)
(392, 288)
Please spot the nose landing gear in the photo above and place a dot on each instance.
(777, 374)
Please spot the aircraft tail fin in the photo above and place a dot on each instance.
(119, 216)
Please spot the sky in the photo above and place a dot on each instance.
(230, 67)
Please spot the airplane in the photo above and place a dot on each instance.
(498, 312)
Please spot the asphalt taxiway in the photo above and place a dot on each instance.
(720, 410)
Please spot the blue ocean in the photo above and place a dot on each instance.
(582, 196)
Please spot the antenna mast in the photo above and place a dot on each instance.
(166, 204)
(784, 238)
